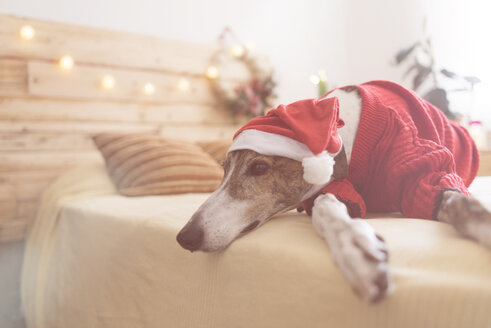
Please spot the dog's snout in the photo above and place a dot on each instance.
(190, 237)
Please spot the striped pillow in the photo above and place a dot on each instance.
(144, 164)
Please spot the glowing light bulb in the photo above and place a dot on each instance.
(183, 84)
(27, 32)
(315, 79)
(237, 50)
(108, 82)
(66, 62)
(322, 75)
(250, 46)
(148, 88)
(212, 72)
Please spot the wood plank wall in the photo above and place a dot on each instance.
(47, 115)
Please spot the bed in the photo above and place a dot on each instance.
(98, 259)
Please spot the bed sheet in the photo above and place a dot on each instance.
(98, 259)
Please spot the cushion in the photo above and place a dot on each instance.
(145, 164)
(217, 148)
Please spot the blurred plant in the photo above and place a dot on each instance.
(320, 79)
(422, 59)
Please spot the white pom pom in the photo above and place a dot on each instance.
(318, 169)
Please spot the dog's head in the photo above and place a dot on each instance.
(254, 188)
(275, 162)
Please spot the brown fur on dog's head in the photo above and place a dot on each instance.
(254, 188)
(275, 183)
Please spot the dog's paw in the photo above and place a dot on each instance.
(467, 215)
(359, 252)
(362, 256)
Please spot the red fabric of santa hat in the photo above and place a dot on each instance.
(305, 131)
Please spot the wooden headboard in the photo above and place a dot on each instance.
(48, 115)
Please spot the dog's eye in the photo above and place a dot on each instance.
(258, 168)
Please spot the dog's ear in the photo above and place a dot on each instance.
(340, 170)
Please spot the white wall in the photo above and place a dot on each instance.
(353, 40)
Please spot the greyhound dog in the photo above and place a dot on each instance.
(256, 186)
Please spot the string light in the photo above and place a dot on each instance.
(212, 72)
(108, 82)
(183, 84)
(315, 79)
(250, 46)
(27, 32)
(237, 50)
(322, 75)
(148, 88)
(66, 62)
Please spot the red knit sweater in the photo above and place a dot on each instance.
(405, 154)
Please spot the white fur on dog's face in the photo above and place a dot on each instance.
(254, 188)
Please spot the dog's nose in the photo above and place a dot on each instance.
(190, 238)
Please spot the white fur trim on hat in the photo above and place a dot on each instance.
(271, 144)
(317, 168)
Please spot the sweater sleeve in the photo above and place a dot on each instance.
(344, 192)
(421, 196)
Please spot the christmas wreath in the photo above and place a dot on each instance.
(250, 98)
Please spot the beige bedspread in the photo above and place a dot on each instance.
(97, 259)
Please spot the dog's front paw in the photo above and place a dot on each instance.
(467, 215)
(362, 256)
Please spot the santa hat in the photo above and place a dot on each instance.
(305, 131)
